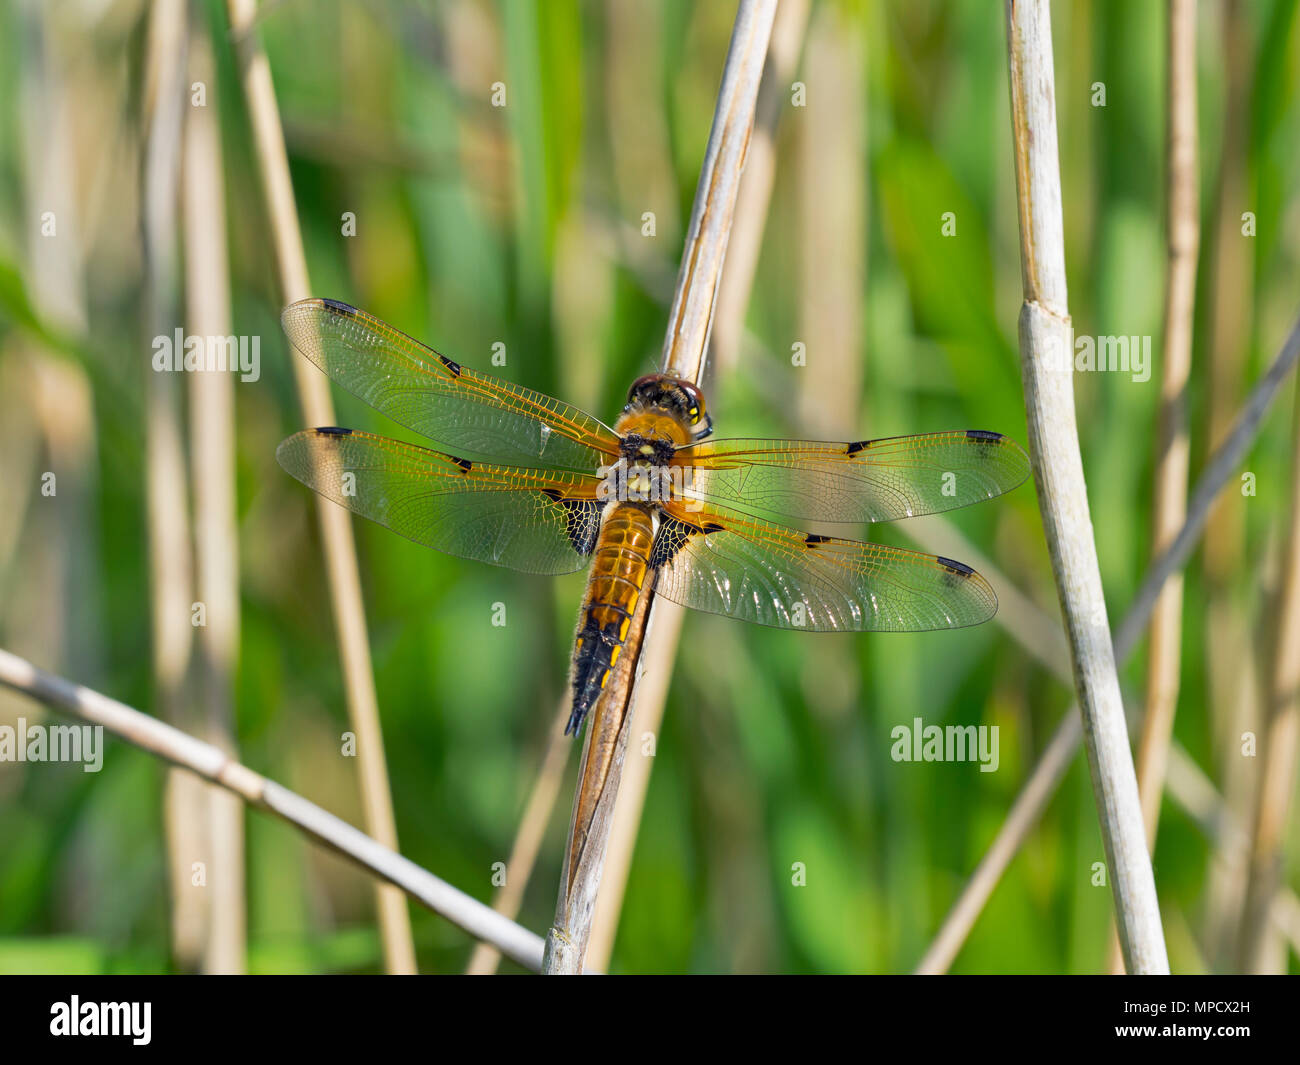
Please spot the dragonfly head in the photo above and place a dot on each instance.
(678, 398)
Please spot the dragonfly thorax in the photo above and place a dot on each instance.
(642, 474)
(523, 480)
(640, 450)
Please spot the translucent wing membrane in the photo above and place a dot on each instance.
(871, 480)
(538, 521)
(519, 489)
(725, 563)
(469, 413)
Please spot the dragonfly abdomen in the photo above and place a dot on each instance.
(618, 570)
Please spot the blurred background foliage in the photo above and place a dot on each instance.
(523, 225)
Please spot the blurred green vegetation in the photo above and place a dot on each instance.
(477, 225)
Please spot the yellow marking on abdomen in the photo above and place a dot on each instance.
(619, 564)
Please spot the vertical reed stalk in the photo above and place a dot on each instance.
(47, 410)
(216, 541)
(754, 203)
(641, 154)
(336, 528)
(1233, 686)
(685, 346)
(1170, 501)
(1183, 232)
(1259, 949)
(1047, 347)
(833, 191)
(1055, 760)
(170, 563)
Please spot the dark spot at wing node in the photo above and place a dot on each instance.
(454, 367)
(817, 538)
(859, 445)
(464, 464)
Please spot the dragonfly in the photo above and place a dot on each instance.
(526, 481)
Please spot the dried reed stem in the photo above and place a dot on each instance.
(336, 528)
(1256, 951)
(216, 541)
(1170, 506)
(1194, 792)
(743, 250)
(212, 764)
(171, 580)
(685, 346)
(1056, 758)
(528, 839)
(833, 190)
(755, 197)
(1227, 650)
(1046, 345)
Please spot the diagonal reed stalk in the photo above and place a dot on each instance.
(484, 959)
(336, 529)
(685, 346)
(1185, 782)
(1059, 753)
(213, 764)
(1033, 630)
(1046, 346)
(743, 249)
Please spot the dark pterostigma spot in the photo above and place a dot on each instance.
(454, 367)
(339, 307)
(332, 430)
(985, 434)
(959, 568)
(464, 464)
